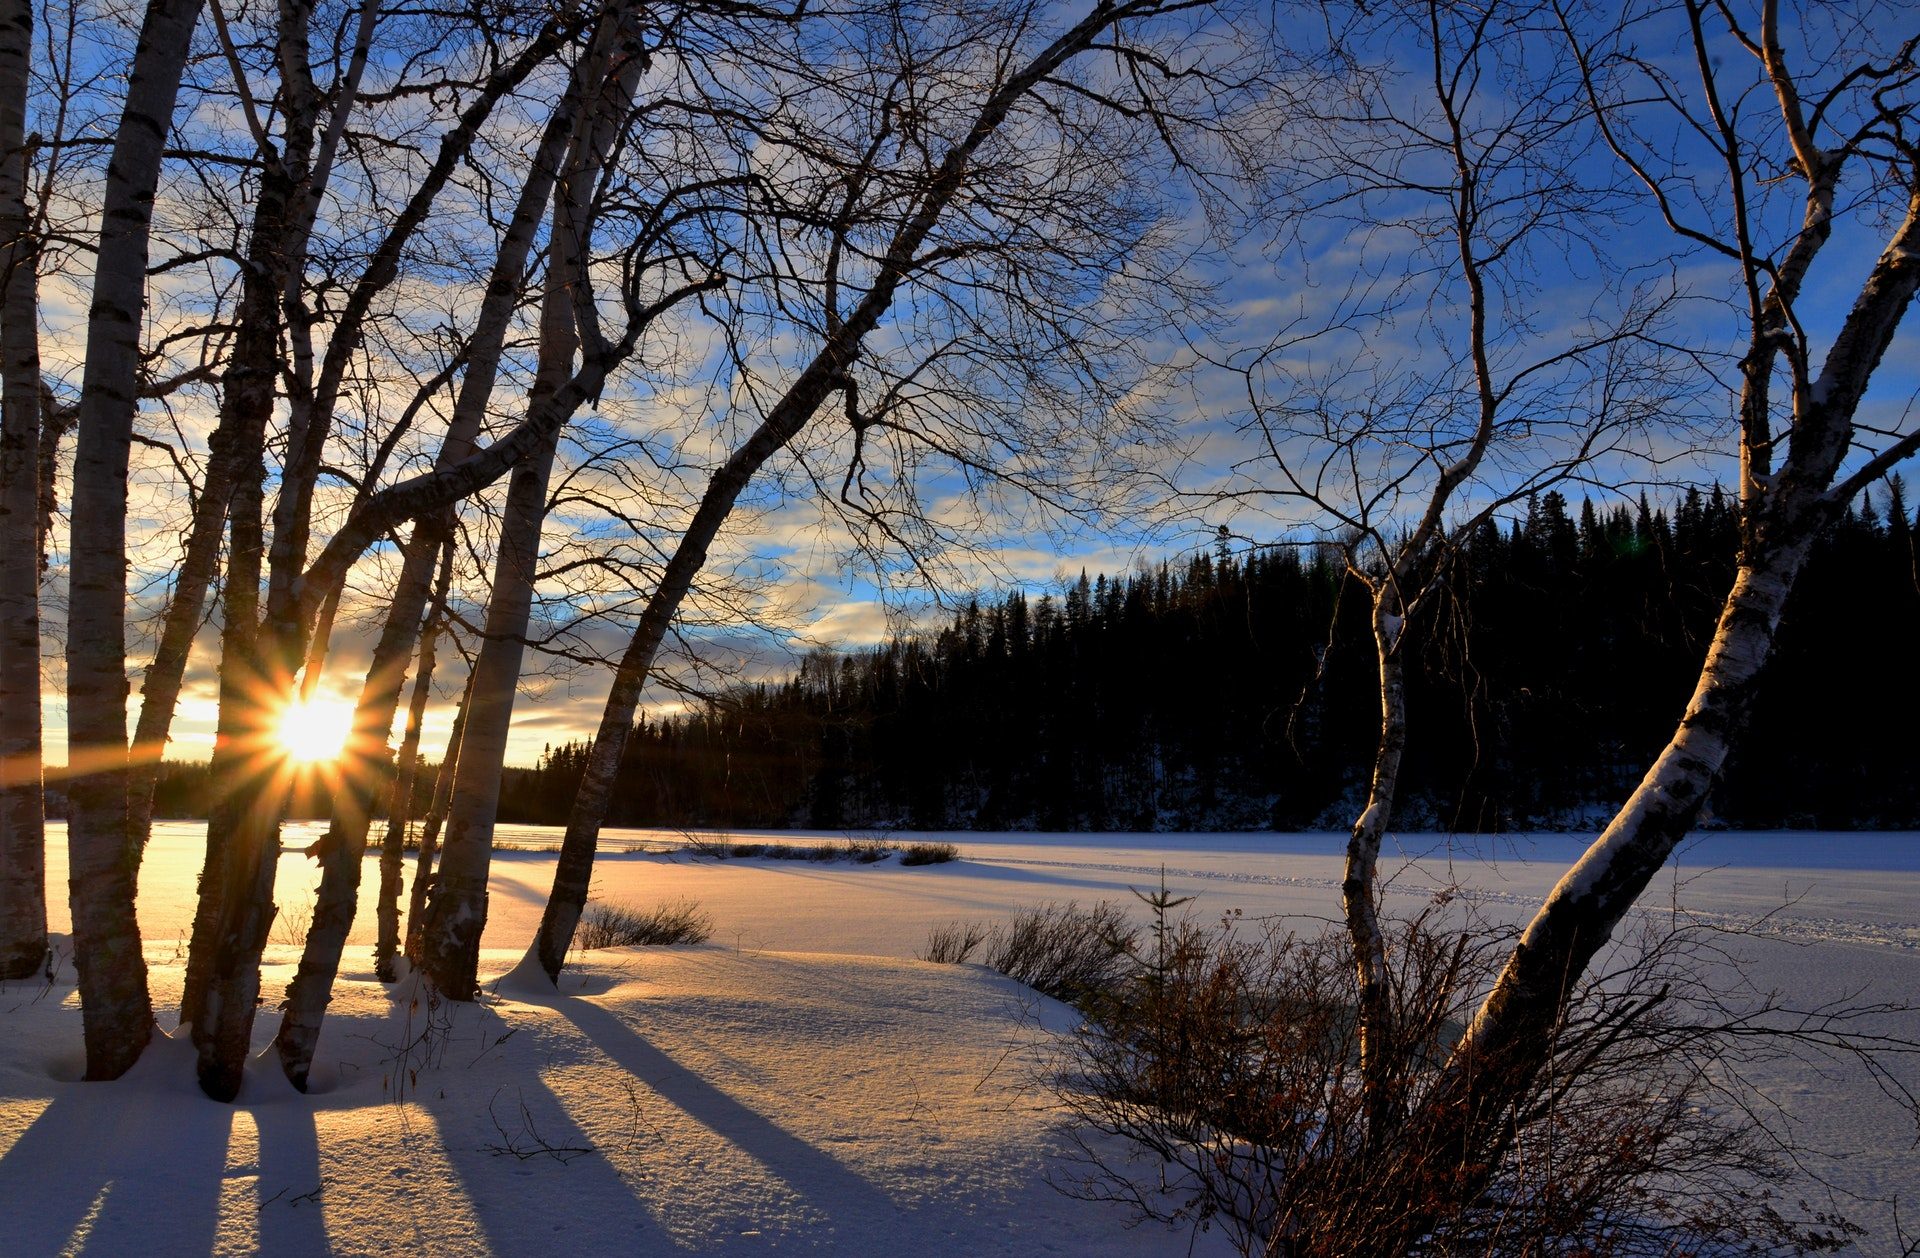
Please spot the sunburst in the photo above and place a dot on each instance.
(316, 730)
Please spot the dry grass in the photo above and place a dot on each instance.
(1071, 953)
(677, 921)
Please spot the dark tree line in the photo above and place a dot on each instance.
(1193, 696)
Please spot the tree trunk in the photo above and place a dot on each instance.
(160, 687)
(236, 907)
(1360, 889)
(23, 832)
(457, 912)
(400, 800)
(246, 754)
(430, 828)
(117, 1010)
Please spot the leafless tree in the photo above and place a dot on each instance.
(1842, 104)
(116, 1006)
(600, 94)
(986, 240)
(1434, 1126)
(1441, 388)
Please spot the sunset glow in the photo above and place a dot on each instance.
(316, 730)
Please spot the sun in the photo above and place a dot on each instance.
(315, 730)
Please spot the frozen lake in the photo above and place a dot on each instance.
(1826, 916)
(1805, 886)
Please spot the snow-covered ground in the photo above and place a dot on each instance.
(799, 1082)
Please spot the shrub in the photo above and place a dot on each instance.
(717, 846)
(929, 854)
(1231, 1060)
(954, 943)
(1071, 953)
(678, 921)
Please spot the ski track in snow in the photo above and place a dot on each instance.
(1775, 925)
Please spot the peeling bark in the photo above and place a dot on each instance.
(116, 1007)
(23, 832)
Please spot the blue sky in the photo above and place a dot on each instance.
(1289, 268)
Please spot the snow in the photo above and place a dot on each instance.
(800, 1082)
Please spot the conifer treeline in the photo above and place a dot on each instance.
(1187, 698)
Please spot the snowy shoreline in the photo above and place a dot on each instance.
(926, 1131)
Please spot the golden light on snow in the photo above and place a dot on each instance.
(315, 730)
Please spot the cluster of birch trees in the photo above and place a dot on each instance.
(386, 257)
(350, 265)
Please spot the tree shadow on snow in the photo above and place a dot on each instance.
(290, 1187)
(117, 1168)
(520, 1156)
(825, 1183)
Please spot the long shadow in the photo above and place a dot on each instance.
(290, 1186)
(113, 1168)
(824, 1182)
(534, 1159)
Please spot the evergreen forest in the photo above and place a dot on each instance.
(1236, 691)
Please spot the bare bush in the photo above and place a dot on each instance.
(867, 851)
(676, 921)
(1074, 954)
(928, 853)
(955, 943)
(1233, 1059)
(291, 924)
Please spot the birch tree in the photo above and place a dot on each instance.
(264, 642)
(23, 876)
(1841, 114)
(588, 121)
(1439, 396)
(116, 1006)
(932, 194)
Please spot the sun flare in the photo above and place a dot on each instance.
(315, 730)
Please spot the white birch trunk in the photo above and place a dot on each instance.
(23, 837)
(456, 911)
(117, 1010)
(1359, 888)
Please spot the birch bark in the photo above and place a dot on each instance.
(116, 1007)
(23, 838)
